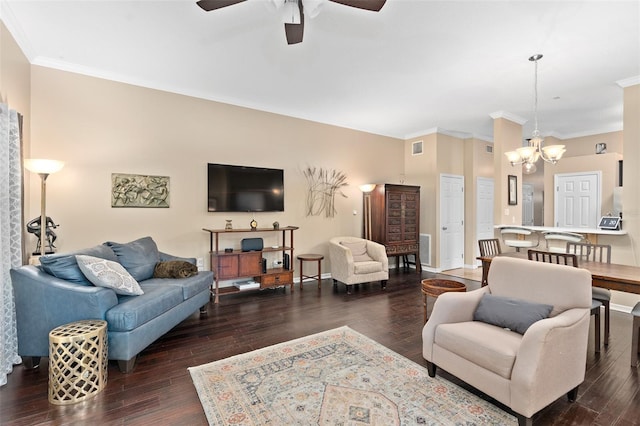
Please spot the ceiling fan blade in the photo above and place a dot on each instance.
(216, 4)
(294, 32)
(373, 5)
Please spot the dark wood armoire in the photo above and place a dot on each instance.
(395, 220)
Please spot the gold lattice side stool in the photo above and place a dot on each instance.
(77, 361)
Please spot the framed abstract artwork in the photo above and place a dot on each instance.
(139, 190)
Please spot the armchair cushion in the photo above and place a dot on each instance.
(358, 251)
(470, 338)
(506, 312)
(367, 267)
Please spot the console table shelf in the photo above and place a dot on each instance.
(249, 264)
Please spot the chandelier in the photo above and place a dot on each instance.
(530, 154)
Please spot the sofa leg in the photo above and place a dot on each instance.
(431, 369)
(30, 362)
(126, 366)
(203, 310)
(383, 284)
(572, 394)
(524, 421)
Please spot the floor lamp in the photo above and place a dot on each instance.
(43, 168)
(366, 191)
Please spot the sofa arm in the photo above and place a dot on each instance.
(342, 265)
(165, 257)
(43, 302)
(550, 361)
(449, 308)
(378, 253)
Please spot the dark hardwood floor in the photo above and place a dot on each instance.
(160, 390)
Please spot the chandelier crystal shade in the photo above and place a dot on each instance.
(535, 150)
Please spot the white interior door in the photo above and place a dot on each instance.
(527, 204)
(451, 222)
(577, 199)
(484, 212)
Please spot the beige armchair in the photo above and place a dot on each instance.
(528, 371)
(355, 260)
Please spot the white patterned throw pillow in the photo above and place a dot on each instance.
(109, 274)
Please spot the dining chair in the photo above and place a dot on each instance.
(569, 259)
(489, 247)
(596, 253)
(519, 237)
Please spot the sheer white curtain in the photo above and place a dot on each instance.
(10, 234)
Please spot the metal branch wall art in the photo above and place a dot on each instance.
(323, 187)
(139, 190)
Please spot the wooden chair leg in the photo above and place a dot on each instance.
(595, 312)
(607, 319)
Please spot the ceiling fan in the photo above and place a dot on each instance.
(294, 11)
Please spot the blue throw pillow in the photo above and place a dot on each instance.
(65, 266)
(138, 257)
(515, 314)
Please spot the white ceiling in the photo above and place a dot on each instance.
(412, 67)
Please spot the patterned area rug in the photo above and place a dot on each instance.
(337, 377)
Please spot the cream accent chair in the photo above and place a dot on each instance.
(525, 372)
(355, 260)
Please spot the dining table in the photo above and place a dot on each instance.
(612, 276)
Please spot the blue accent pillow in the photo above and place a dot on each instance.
(65, 266)
(138, 257)
(515, 314)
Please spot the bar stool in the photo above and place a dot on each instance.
(635, 331)
(311, 258)
(77, 361)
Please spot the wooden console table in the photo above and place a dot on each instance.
(249, 264)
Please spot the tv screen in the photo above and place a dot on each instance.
(244, 189)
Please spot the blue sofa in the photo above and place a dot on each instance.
(56, 292)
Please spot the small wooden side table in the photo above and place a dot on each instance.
(434, 287)
(311, 257)
(78, 361)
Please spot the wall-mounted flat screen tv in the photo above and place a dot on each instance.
(244, 189)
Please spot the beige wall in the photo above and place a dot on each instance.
(605, 163)
(422, 170)
(477, 163)
(586, 145)
(15, 88)
(442, 154)
(507, 136)
(100, 127)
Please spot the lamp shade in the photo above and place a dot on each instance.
(42, 166)
(513, 157)
(554, 152)
(367, 187)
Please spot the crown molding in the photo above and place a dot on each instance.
(509, 116)
(7, 16)
(628, 82)
(610, 129)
